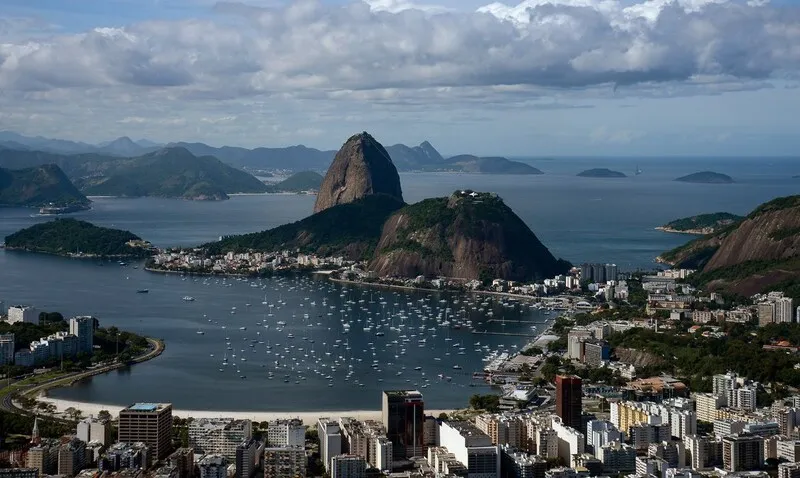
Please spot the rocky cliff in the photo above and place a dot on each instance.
(759, 253)
(468, 235)
(362, 167)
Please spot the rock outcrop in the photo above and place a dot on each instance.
(362, 167)
(467, 236)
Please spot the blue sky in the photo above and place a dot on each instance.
(520, 77)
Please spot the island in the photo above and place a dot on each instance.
(81, 239)
(706, 177)
(701, 224)
(298, 183)
(601, 173)
(44, 186)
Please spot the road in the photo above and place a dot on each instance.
(7, 404)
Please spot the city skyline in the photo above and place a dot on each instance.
(520, 79)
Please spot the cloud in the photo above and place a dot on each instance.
(306, 46)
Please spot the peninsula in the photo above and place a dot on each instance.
(706, 177)
(601, 173)
(81, 239)
(361, 221)
(701, 224)
(302, 182)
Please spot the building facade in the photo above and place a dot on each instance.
(150, 423)
(403, 416)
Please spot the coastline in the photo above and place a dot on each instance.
(691, 232)
(308, 417)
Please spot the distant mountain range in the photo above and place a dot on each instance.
(167, 172)
(423, 157)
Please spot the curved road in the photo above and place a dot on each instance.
(7, 404)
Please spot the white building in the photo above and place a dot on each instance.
(83, 328)
(472, 448)
(23, 313)
(219, 436)
(707, 406)
(784, 310)
(283, 433)
(91, 429)
(6, 349)
(330, 440)
(617, 457)
(601, 432)
(570, 441)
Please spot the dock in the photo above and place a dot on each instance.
(510, 334)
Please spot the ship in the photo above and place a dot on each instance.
(142, 291)
(54, 210)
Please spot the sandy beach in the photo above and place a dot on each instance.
(309, 418)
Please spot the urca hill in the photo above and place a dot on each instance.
(360, 214)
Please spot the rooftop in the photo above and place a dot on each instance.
(147, 407)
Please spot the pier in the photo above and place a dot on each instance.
(510, 334)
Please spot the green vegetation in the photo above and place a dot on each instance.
(777, 204)
(15, 424)
(696, 358)
(37, 187)
(349, 229)
(490, 402)
(298, 182)
(710, 223)
(744, 270)
(70, 236)
(170, 172)
(706, 177)
(601, 173)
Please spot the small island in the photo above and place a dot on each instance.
(81, 239)
(601, 173)
(706, 177)
(701, 224)
(298, 183)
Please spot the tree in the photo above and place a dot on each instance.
(104, 415)
(490, 402)
(443, 416)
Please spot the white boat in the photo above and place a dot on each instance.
(200, 332)
(188, 298)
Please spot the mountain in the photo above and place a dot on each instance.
(415, 158)
(297, 183)
(45, 144)
(362, 167)
(350, 230)
(706, 177)
(124, 147)
(170, 172)
(701, 224)
(291, 158)
(70, 236)
(468, 235)
(38, 186)
(601, 173)
(761, 252)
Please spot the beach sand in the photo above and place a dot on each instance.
(309, 418)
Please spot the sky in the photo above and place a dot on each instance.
(520, 78)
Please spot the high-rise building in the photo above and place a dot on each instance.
(6, 349)
(742, 453)
(516, 464)
(213, 466)
(71, 457)
(348, 466)
(150, 423)
(21, 473)
(182, 461)
(381, 455)
(248, 457)
(83, 328)
(471, 447)
(330, 440)
(403, 415)
(23, 314)
(569, 400)
(283, 433)
(784, 310)
(707, 406)
(93, 429)
(617, 457)
(285, 462)
(219, 436)
(601, 432)
(789, 470)
(704, 451)
(44, 457)
(766, 313)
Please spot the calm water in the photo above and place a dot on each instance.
(579, 219)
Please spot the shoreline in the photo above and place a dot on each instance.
(690, 232)
(309, 417)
